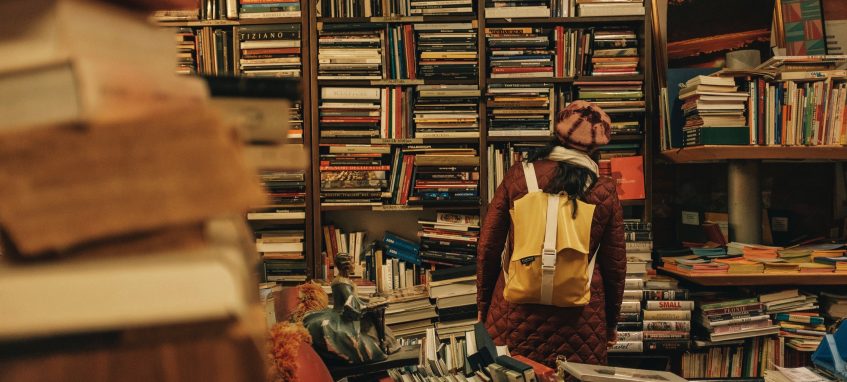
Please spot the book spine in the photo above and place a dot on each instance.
(630, 317)
(658, 294)
(627, 347)
(630, 336)
(729, 304)
(739, 320)
(666, 345)
(678, 326)
(799, 318)
(670, 305)
(630, 306)
(732, 309)
(630, 284)
(667, 314)
(666, 335)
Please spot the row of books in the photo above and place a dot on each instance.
(232, 10)
(749, 358)
(282, 254)
(260, 51)
(740, 258)
(450, 240)
(493, 8)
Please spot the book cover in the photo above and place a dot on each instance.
(628, 173)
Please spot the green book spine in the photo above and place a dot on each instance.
(727, 304)
(717, 136)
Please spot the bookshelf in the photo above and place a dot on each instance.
(311, 23)
(759, 279)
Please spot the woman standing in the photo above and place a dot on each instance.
(542, 332)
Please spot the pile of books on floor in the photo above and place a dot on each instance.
(447, 51)
(667, 315)
(520, 52)
(353, 174)
(441, 7)
(270, 50)
(409, 312)
(618, 97)
(714, 112)
(454, 291)
(345, 53)
(447, 111)
(748, 358)
(501, 157)
(639, 245)
(282, 255)
(589, 8)
(434, 183)
(520, 109)
(508, 9)
(614, 52)
(732, 319)
(450, 239)
(352, 8)
(186, 54)
(472, 358)
(797, 315)
(350, 112)
(402, 60)
(262, 9)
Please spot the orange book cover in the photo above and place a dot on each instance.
(628, 172)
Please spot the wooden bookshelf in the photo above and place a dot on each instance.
(721, 153)
(760, 279)
(311, 23)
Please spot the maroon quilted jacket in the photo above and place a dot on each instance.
(542, 332)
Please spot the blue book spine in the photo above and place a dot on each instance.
(395, 241)
(402, 255)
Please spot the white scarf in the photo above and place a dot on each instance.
(574, 157)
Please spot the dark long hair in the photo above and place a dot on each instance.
(574, 181)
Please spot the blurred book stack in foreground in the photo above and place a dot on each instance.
(104, 211)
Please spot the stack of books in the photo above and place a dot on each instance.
(450, 240)
(520, 109)
(520, 52)
(432, 183)
(295, 121)
(282, 255)
(589, 8)
(353, 175)
(714, 112)
(262, 9)
(214, 51)
(447, 111)
(747, 359)
(402, 62)
(186, 54)
(286, 190)
(455, 301)
(447, 51)
(353, 8)
(501, 157)
(618, 97)
(176, 15)
(508, 9)
(351, 112)
(798, 374)
(614, 52)
(352, 243)
(797, 315)
(631, 340)
(441, 7)
(732, 319)
(270, 50)
(346, 53)
(667, 316)
(409, 313)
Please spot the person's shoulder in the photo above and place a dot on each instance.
(604, 189)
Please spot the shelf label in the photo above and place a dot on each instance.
(397, 207)
(396, 141)
(397, 82)
(690, 218)
(390, 19)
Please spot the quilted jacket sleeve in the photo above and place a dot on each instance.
(492, 240)
(612, 260)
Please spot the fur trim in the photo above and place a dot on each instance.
(284, 343)
(312, 298)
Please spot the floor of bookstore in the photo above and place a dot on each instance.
(298, 190)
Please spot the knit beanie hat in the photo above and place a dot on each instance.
(583, 126)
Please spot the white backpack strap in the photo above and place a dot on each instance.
(529, 175)
(548, 254)
(590, 271)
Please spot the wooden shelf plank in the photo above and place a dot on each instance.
(215, 23)
(566, 20)
(392, 208)
(513, 138)
(722, 153)
(760, 278)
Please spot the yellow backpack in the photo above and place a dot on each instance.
(550, 263)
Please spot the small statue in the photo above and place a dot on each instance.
(350, 332)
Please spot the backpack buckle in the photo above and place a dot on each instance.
(548, 259)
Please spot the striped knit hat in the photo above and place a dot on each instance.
(583, 126)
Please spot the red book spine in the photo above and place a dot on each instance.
(560, 51)
(355, 168)
(522, 70)
(410, 51)
(409, 162)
